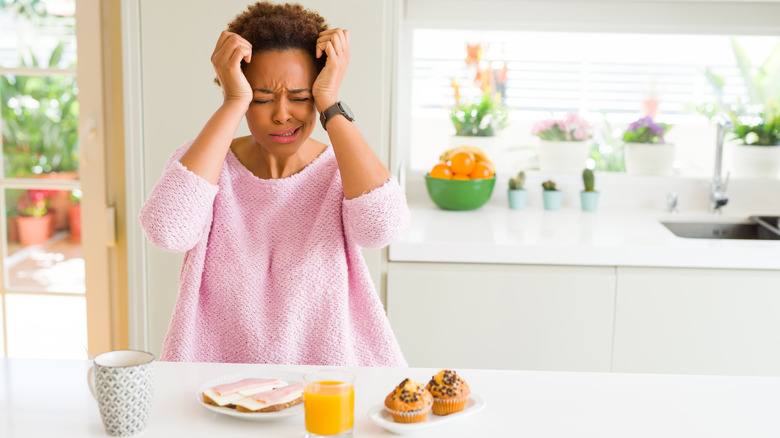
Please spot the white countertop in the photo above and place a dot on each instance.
(609, 237)
(41, 398)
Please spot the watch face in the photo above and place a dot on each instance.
(346, 111)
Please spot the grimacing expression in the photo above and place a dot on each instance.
(281, 116)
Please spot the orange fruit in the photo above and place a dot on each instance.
(460, 176)
(482, 170)
(462, 163)
(441, 171)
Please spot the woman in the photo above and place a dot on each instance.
(272, 222)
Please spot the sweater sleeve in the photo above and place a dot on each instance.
(376, 218)
(178, 211)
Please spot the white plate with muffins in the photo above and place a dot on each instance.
(412, 406)
(289, 377)
(381, 417)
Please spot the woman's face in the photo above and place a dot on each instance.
(282, 115)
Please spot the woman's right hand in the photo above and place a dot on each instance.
(231, 49)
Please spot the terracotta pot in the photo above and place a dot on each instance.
(74, 220)
(33, 230)
(59, 201)
(13, 230)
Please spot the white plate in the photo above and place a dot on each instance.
(379, 415)
(255, 416)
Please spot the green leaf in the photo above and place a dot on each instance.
(56, 54)
(771, 71)
(743, 62)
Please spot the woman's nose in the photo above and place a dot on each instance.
(281, 112)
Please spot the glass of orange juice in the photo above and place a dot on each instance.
(329, 403)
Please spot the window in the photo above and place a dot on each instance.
(45, 295)
(609, 61)
(605, 77)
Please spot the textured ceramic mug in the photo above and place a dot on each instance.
(122, 383)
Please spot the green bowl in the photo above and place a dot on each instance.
(453, 194)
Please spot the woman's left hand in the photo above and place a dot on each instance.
(335, 44)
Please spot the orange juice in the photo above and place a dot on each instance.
(329, 407)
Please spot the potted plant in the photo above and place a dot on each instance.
(33, 222)
(74, 216)
(564, 144)
(551, 196)
(479, 119)
(757, 152)
(517, 194)
(646, 149)
(40, 130)
(589, 198)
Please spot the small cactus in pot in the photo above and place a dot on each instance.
(551, 196)
(589, 197)
(516, 194)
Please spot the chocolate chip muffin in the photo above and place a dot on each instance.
(450, 392)
(409, 402)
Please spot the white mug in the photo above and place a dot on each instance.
(122, 381)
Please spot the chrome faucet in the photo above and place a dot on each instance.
(718, 184)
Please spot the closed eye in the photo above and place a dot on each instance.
(257, 101)
(300, 99)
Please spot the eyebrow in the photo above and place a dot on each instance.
(296, 91)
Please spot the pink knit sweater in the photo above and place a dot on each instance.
(273, 271)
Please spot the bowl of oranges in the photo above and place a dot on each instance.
(463, 179)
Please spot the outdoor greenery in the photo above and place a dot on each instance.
(756, 119)
(39, 121)
(482, 119)
(763, 129)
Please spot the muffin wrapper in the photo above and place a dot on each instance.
(446, 406)
(415, 416)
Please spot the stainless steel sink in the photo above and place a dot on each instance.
(759, 228)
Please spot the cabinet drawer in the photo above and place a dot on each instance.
(502, 316)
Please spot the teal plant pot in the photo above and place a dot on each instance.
(552, 199)
(450, 194)
(517, 198)
(589, 200)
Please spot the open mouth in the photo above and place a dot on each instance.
(286, 136)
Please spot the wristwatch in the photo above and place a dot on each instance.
(334, 110)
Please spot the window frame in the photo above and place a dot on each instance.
(734, 17)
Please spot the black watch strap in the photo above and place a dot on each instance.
(334, 110)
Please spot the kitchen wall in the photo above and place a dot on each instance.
(171, 95)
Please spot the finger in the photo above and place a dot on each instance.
(338, 43)
(239, 53)
(330, 50)
(223, 36)
(225, 53)
(329, 32)
(346, 37)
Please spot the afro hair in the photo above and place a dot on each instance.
(269, 26)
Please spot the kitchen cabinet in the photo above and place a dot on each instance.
(665, 320)
(502, 316)
(697, 321)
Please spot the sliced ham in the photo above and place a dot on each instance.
(232, 388)
(275, 396)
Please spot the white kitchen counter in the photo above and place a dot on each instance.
(609, 237)
(50, 398)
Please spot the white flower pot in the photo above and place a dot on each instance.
(649, 158)
(563, 156)
(755, 161)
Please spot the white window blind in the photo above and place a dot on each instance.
(586, 72)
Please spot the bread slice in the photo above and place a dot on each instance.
(274, 408)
